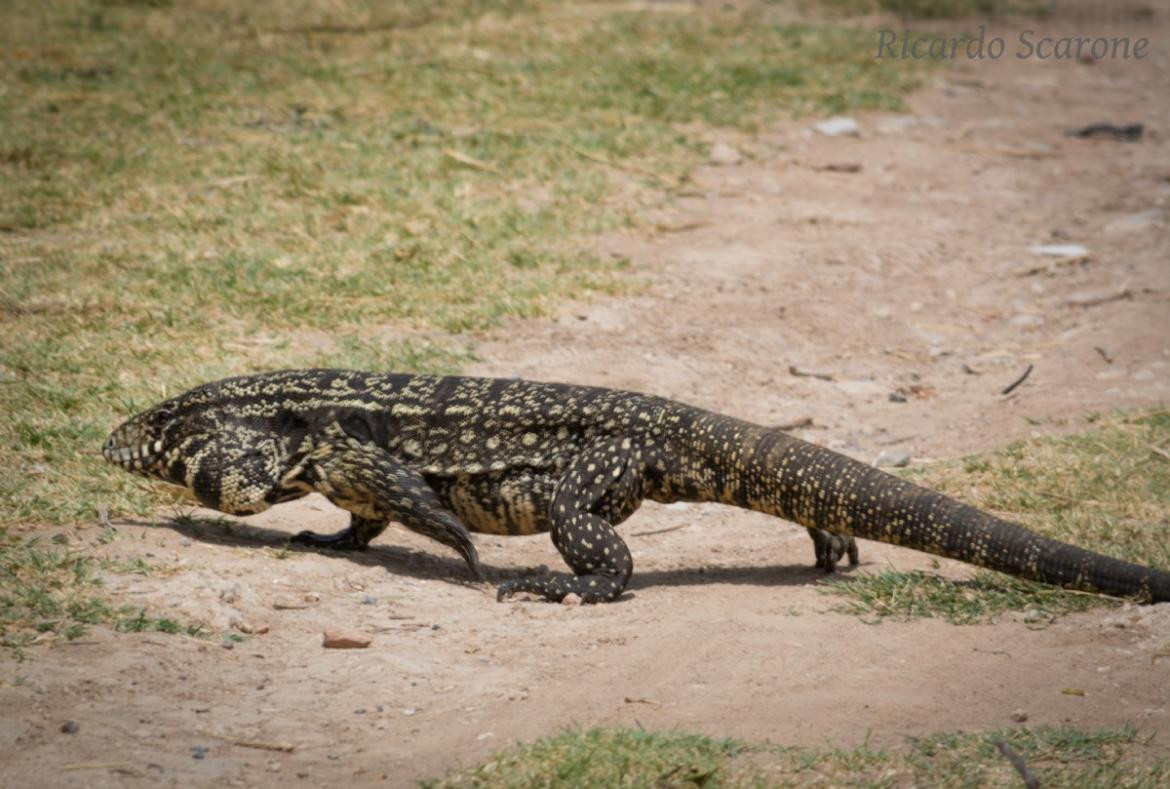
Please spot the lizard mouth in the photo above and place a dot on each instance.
(136, 458)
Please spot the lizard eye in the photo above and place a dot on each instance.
(161, 417)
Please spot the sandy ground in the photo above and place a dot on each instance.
(911, 275)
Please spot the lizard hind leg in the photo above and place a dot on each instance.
(599, 558)
(603, 481)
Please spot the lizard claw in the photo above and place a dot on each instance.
(343, 540)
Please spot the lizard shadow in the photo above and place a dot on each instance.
(397, 559)
(754, 575)
(412, 563)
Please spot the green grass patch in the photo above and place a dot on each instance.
(633, 758)
(48, 591)
(604, 757)
(132, 621)
(189, 191)
(1106, 489)
(914, 595)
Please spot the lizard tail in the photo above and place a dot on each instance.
(819, 488)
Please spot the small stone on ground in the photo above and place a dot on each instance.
(345, 639)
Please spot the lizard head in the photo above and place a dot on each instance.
(159, 441)
(230, 459)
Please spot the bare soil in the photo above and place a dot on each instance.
(911, 275)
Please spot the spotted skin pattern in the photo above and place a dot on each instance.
(445, 456)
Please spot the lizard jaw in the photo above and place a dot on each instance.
(132, 458)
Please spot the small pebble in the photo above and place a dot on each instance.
(1019, 716)
(344, 639)
(1059, 250)
(186, 543)
(722, 153)
(893, 458)
(199, 751)
(369, 600)
(70, 727)
(1026, 320)
(838, 127)
(571, 599)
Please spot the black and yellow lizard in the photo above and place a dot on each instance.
(442, 455)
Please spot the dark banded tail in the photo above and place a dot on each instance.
(770, 471)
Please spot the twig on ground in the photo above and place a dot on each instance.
(839, 167)
(347, 30)
(616, 165)
(94, 766)
(469, 161)
(802, 373)
(1030, 779)
(1096, 299)
(804, 421)
(265, 746)
(1012, 386)
(640, 700)
(658, 531)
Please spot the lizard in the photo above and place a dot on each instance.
(448, 455)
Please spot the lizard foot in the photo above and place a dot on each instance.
(554, 588)
(343, 540)
(830, 548)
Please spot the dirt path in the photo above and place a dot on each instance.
(913, 275)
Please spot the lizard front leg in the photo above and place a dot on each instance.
(366, 480)
(607, 478)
